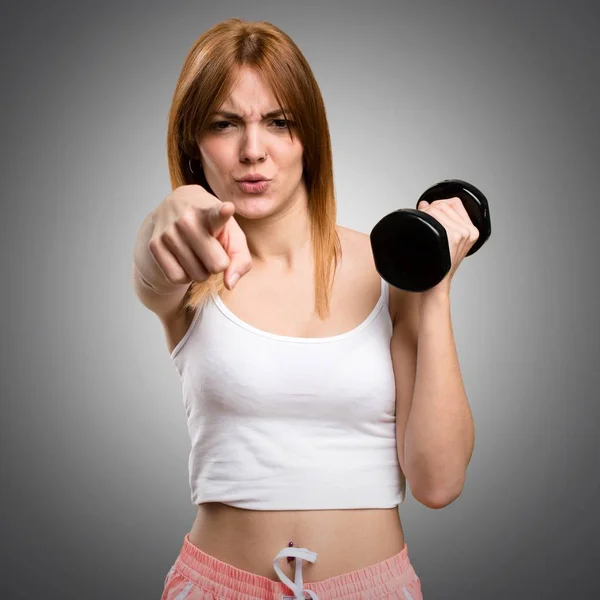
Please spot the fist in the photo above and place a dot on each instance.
(195, 235)
(461, 232)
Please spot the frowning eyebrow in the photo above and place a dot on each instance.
(230, 115)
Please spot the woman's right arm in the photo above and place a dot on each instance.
(149, 282)
(188, 237)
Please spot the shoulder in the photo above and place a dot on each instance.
(358, 245)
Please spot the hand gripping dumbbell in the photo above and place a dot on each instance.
(410, 247)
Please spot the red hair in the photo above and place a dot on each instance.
(207, 75)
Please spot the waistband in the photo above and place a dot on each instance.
(229, 582)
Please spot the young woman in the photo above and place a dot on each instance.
(313, 390)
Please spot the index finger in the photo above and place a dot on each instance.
(217, 216)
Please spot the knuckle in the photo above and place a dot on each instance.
(210, 267)
(186, 222)
(169, 237)
(153, 246)
(201, 275)
(216, 265)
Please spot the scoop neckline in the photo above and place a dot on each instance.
(301, 340)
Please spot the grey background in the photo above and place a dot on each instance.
(94, 446)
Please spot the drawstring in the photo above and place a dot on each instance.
(296, 585)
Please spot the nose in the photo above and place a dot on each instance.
(252, 148)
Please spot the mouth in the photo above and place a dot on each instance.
(254, 187)
(253, 177)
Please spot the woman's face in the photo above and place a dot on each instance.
(234, 146)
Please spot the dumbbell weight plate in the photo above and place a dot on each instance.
(410, 249)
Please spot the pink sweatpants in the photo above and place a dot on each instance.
(199, 576)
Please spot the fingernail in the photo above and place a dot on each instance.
(233, 280)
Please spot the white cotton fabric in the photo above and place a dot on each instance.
(286, 423)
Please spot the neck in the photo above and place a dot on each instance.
(282, 240)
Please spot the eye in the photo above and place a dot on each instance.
(217, 123)
(223, 125)
(284, 121)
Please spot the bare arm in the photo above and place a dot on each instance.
(435, 428)
(149, 282)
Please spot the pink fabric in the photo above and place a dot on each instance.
(199, 576)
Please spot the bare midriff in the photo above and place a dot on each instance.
(345, 540)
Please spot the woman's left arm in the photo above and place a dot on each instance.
(439, 434)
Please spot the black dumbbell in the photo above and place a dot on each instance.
(410, 247)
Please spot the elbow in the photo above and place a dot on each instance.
(437, 498)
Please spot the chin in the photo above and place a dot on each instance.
(254, 206)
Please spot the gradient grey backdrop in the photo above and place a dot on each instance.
(94, 446)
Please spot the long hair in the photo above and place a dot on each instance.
(204, 83)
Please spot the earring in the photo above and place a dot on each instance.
(190, 166)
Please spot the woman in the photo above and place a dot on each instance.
(307, 404)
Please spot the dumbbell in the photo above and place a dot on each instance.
(410, 247)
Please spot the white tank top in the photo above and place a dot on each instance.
(288, 423)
